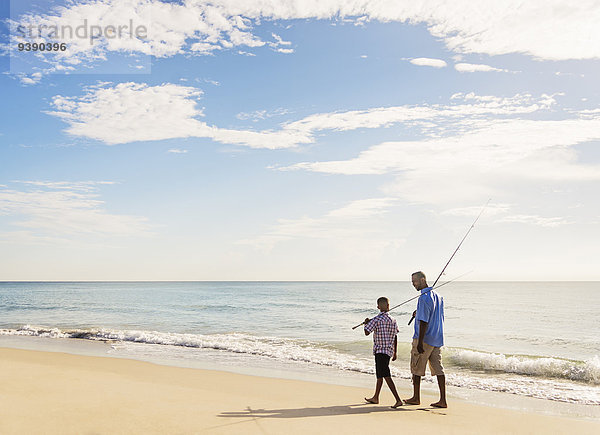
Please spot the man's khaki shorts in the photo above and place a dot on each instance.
(418, 361)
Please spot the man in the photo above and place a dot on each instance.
(427, 340)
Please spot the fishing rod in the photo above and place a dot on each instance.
(453, 254)
(413, 298)
(444, 269)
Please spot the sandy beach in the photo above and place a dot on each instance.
(51, 392)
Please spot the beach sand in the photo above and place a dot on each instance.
(51, 392)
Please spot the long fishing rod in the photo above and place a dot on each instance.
(453, 254)
(461, 242)
(413, 298)
(444, 269)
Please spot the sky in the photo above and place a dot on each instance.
(299, 140)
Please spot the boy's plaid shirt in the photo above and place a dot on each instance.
(384, 330)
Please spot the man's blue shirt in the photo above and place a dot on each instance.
(430, 309)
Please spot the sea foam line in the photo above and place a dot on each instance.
(588, 371)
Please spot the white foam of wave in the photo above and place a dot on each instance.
(284, 349)
(549, 389)
(37, 332)
(273, 347)
(588, 371)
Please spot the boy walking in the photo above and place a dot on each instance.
(385, 343)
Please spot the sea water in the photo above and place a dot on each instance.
(537, 339)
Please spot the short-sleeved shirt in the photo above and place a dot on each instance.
(384, 330)
(430, 309)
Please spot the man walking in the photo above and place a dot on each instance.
(427, 340)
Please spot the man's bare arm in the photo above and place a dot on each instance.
(422, 330)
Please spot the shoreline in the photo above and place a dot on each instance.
(243, 364)
(60, 392)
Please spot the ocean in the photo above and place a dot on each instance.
(534, 339)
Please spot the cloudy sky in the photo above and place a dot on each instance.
(299, 140)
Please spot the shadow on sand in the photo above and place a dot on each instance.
(361, 408)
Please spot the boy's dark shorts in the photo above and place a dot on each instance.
(382, 365)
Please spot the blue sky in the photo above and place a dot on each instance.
(297, 141)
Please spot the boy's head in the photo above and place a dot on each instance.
(383, 304)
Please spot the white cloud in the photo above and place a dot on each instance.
(204, 48)
(473, 67)
(501, 212)
(486, 161)
(362, 208)
(88, 186)
(32, 79)
(588, 112)
(171, 27)
(279, 40)
(425, 61)
(258, 115)
(496, 209)
(550, 222)
(473, 105)
(131, 112)
(354, 220)
(498, 143)
(213, 82)
(58, 210)
(177, 151)
(200, 27)
(491, 210)
(558, 73)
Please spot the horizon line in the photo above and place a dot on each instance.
(359, 280)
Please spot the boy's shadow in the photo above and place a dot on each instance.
(362, 408)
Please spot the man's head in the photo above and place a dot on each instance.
(383, 304)
(419, 281)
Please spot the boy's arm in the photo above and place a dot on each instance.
(395, 348)
(370, 325)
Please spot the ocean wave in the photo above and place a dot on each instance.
(522, 375)
(582, 371)
(373, 312)
(273, 347)
(28, 307)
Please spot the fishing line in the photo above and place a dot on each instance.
(413, 298)
(443, 270)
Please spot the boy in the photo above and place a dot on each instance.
(385, 343)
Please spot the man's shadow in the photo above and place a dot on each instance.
(361, 408)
